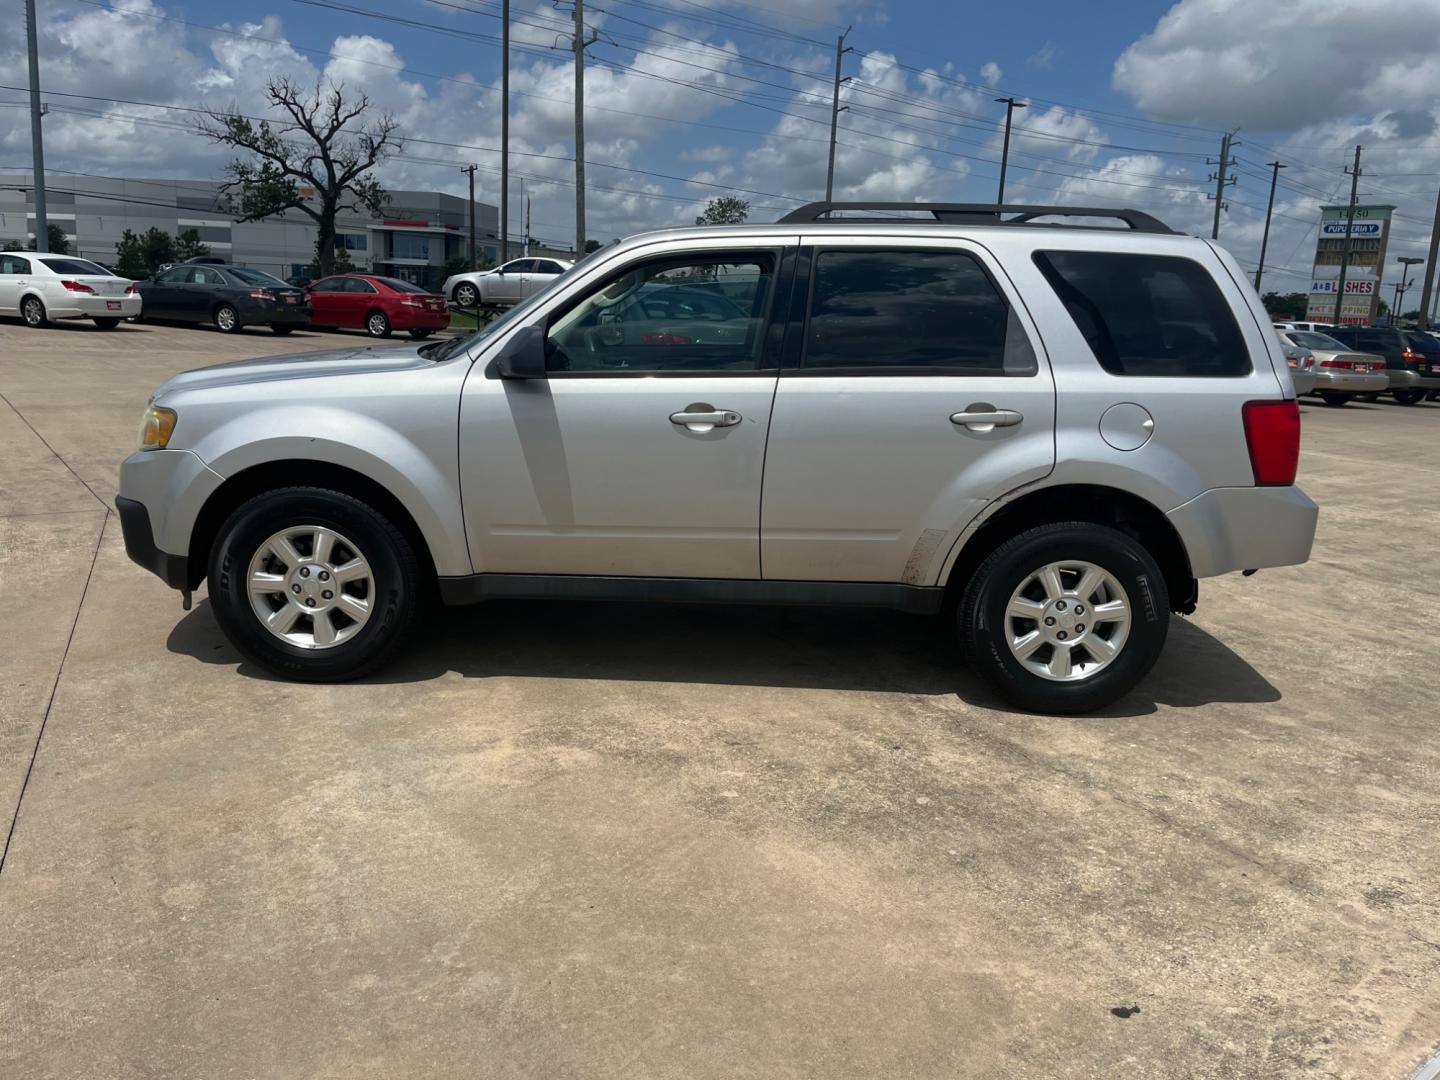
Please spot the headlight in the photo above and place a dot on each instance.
(156, 428)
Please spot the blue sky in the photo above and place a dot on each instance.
(688, 99)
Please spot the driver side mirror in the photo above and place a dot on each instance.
(523, 356)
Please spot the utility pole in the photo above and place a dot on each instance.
(504, 137)
(1275, 168)
(1221, 181)
(1349, 228)
(471, 254)
(835, 110)
(1406, 261)
(37, 137)
(1010, 106)
(1425, 293)
(580, 44)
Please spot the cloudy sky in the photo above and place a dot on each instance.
(688, 99)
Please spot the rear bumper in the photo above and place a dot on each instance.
(174, 570)
(1350, 382)
(416, 319)
(93, 307)
(276, 315)
(1228, 529)
(1411, 380)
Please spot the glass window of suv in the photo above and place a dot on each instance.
(897, 312)
(640, 320)
(1148, 315)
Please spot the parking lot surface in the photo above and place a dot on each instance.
(565, 840)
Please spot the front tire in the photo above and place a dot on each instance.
(313, 584)
(420, 335)
(466, 295)
(377, 324)
(1065, 618)
(1408, 397)
(32, 310)
(227, 319)
(1334, 398)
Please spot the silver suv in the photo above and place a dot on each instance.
(1046, 431)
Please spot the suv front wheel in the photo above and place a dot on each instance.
(1065, 618)
(313, 584)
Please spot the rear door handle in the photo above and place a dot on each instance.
(984, 417)
(703, 417)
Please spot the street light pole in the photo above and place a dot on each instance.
(835, 110)
(1407, 262)
(37, 138)
(1275, 168)
(1010, 106)
(504, 133)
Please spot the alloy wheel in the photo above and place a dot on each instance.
(465, 296)
(1067, 621)
(311, 587)
(225, 319)
(33, 311)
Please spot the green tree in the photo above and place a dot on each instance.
(316, 159)
(591, 245)
(1286, 305)
(58, 245)
(724, 210)
(12, 245)
(455, 264)
(141, 255)
(188, 245)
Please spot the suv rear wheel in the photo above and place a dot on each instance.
(1065, 618)
(1408, 397)
(313, 584)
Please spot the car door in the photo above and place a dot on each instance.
(540, 274)
(14, 272)
(162, 297)
(509, 283)
(326, 301)
(632, 457)
(871, 471)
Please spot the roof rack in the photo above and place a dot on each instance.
(970, 214)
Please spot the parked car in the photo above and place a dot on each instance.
(230, 297)
(39, 287)
(1301, 362)
(1339, 374)
(504, 286)
(1412, 358)
(377, 305)
(879, 426)
(1306, 326)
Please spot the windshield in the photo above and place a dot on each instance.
(444, 350)
(76, 266)
(257, 277)
(1324, 342)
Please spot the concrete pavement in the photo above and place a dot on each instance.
(595, 841)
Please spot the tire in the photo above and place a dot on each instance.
(467, 295)
(281, 330)
(377, 324)
(1369, 399)
(1120, 562)
(1434, 395)
(390, 586)
(32, 310)
(227, 319)
(1408, 397)
(106, 324)
(420, 335)
(1335, 398)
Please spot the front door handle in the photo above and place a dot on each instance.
(985, 417)
(703, 417)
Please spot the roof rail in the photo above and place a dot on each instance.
(970, 214)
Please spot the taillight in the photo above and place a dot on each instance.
(1411, 357)
(1377, 365)
(1344, 365)
(1272, 434)
(261, 294)
(76, 286)
(132, 290)
(413, 303)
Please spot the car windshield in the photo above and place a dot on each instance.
(1309, 340)
(257, 277)
(444, 350)
(76, 266)
(402, 286)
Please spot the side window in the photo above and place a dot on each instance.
(202, 276)
(329, 285)
(176, 275)
(545, 266)
(359, 285)
(1151, 315)
(14, 264)
(627, 324)
(911, 312)
(520, 266)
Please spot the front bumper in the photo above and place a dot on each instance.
(174, 570)
(1351, 382)
(94, 307)
(1228, 529)
(161, 495)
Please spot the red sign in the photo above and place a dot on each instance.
(409, 223)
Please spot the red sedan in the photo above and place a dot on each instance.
(376, 305)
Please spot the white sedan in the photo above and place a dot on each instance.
(40, 287)
(507, 284)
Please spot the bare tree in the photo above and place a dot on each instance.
(323, 143)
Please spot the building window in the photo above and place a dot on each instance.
(409, 246)
(351, 242)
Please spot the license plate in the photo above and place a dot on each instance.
(112, 305)
(290, 299)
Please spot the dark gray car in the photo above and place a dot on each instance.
(230, 297)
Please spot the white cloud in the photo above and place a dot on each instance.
(990, 74)
(1042, 57)
(1268, 66)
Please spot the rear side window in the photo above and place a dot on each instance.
(1155, 315)
(1422, 343)
(911, 312)
(76, 266)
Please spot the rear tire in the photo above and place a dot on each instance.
(1369, 399)
(106, 324)
(281, 330)
(1009, 650)
(377, 324)
(227, 319)
(1335, 398)
(1408, 397)
(32, 310)
(323, 642)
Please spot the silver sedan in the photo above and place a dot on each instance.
(1337, 373)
